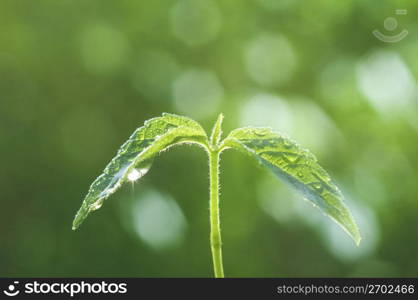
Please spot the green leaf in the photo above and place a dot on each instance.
(217, 131)
(135, 156)
(296, 166)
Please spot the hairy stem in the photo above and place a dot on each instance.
(215, 230)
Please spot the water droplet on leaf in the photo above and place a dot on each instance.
(134, 175)
(317, 186)
(96, 205)
(292, 157)
(261, 133)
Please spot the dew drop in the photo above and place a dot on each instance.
(292, 157)
(317, 186)
(144, 170)
(134, 175)
(144, 167)
(137, 173)
(96, 205)
(260, 133)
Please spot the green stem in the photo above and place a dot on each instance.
(215, 230)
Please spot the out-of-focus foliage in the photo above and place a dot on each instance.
(76, 77)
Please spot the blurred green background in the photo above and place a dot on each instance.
(78, 77)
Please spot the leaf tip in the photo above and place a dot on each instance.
(76, 223)
(217, 130)
(80, 217)
(356, 236)
(352, 230)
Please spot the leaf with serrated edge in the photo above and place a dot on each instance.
(137, 154)
(296, 166)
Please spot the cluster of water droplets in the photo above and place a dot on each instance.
(292, 159)
(298, 167)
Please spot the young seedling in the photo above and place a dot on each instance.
(285, 158)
